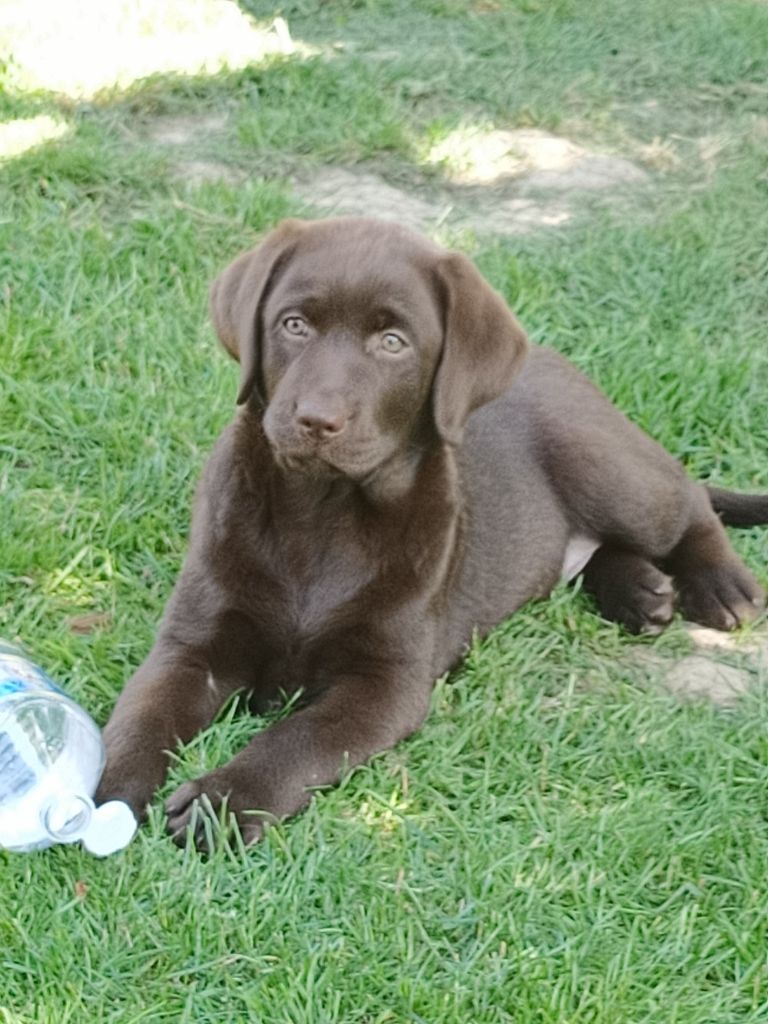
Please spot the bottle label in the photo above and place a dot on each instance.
(16, 776)
(17, 754)
(18, 675)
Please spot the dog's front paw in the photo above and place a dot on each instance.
(208, 809)
(131, 779)
(723, 597)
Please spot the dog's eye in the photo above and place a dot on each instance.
(296, 326)
(393, 343)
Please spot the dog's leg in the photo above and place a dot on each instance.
(629, 589)
(715, 587)
(622, 488)
(273, 776)
(169, 699)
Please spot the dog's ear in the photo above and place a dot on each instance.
(237, 295)
(483, 346)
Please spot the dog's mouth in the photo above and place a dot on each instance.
(307, 463)
(328, 458)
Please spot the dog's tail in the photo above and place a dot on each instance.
(739, 509)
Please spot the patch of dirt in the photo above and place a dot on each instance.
(704, 674)
(477, 157)
(503, 216)
(494, 210)
(192, 136)
(346, 192)
(498, 182)
(185, 130)
(537, 158)
(586, 175)
(196, 172)
(697, 676)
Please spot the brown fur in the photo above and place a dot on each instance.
(371, 506)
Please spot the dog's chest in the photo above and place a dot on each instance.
(324, 590)
(321, 579)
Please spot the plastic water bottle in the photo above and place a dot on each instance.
(51, 760)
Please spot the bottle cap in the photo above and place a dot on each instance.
(111, 828)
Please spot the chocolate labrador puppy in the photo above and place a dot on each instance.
(404, 469)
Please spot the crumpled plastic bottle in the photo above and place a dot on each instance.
(51, 759)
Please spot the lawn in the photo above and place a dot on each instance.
(564, 842)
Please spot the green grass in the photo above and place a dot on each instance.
(561, 842)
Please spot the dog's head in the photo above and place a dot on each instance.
(359, 338)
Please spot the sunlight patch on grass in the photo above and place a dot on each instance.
(473, 155)
(6, 1017)
(478, 156)
(80, 47)
(384, 816)
(24, 133)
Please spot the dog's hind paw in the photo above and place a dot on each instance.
(630, 590)
(722, 597)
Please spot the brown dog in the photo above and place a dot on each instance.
(402, 471)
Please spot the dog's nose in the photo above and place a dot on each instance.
(320, 422)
